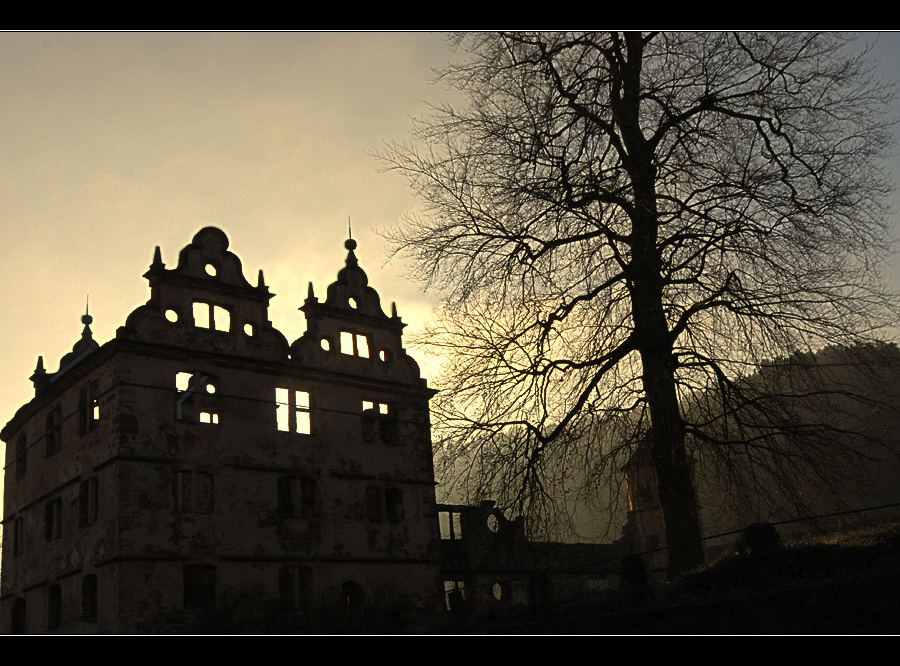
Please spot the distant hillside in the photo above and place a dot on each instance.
(809, 434)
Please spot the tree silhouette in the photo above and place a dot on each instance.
(619, 222)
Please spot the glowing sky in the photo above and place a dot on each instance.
(111, 144)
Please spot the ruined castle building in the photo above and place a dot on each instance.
(198, 459)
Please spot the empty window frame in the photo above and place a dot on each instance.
(53, 520)
(293, 411)
(455, 595)
(286, 496)
(354, 344)
(374, 513)
(450, 523)
(197, 397)
(379, 422)
(87, 502)
(53, 436)
(297, 497)
(194, 492)
(54, 606)
(393, 505)
(88, 408)
(294, 586)
(89, 598)
(216, 317)
(384, 503)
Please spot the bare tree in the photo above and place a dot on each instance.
(620, 222)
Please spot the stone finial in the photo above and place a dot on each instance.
(87, 319)
(260, 281)
(157, 259)
(40, 378)
(310, 293)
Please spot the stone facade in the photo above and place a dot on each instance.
(489, 564)
(199, 459)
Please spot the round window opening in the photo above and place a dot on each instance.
(172, 316)
(497, 590)
(351, 302)
(210, 388)
(210, 270)
(493, 523)
(326, 344)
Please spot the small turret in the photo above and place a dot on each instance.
(40, 378)
(157, 259)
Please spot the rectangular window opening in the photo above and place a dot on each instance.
(454, 594)
(194, 492)
(197, 397)
(304, 426)
(89, 598)
(378, 422)
(347, 343)
(52, 520)
(302, 420)
(393, 502)
(54, 432)
(294, 493)
(293, 411)
(282, 410)
(286, 496)
(449, 522)
(362, 346)
(54, 607)
(87, 502)
(373, 504)
(354, 344)
(88, 408)
(294, 584)
(183, 381)
(221, 318)
(308, 502)
(201, 315)
(182, 491)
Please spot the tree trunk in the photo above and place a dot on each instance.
(654, 341)
(673, 475)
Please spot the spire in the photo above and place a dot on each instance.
(310, 293)
(261, 281)
(80, 349)
(87, 320)
(157, 259)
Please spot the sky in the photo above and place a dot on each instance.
(114, 143)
